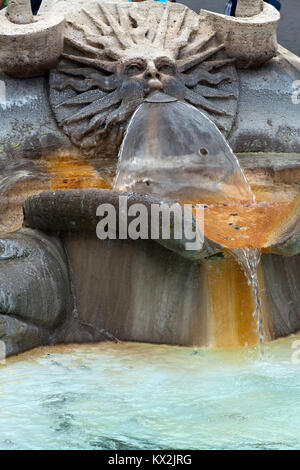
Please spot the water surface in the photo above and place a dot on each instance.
(141, 396)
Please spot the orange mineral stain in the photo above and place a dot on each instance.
(230, 305)
(67, 171)
(246, 225)
(234, 224)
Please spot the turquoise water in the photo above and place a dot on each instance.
(139, 396)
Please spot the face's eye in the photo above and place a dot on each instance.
(134, 69)
(166, 68)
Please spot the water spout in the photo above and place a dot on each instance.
(173, 149)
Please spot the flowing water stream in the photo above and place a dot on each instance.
(172, 149)
(249, 259)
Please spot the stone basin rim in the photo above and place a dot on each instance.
(41, 24)
(74, 210)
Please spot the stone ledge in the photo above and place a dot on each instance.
(29, 50)
(251, 40)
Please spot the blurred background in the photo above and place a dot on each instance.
(289, 27)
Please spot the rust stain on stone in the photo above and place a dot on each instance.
(67, 171)
(230, 306)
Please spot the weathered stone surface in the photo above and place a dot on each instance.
(251, 39)
(128, 271)
(248, 8)
(136, 290)
(36, 300)
(28, 129)
(28, 126)
(19, 336)
(29, 45)
(281, 281)
(19, 12)
(75, 211)
(34, 278)
(267, 119)
(131, 290)
(289, 242)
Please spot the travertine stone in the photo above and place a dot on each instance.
(251, 40)
(29, 47)
(19, 12)
(248, 7)
(75, 210)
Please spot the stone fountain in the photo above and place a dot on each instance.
(71, 80)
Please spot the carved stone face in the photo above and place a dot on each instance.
(116, 54)
(152, 72)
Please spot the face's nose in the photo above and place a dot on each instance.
(153, 76)
(151, 72)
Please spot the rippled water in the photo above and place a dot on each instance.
(139, 396)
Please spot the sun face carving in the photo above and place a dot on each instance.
(152, 72)
(115, 55)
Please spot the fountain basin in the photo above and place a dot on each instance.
(134, 396)
(247, 225)
(148, 291)
(133, 289)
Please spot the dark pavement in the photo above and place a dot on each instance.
(289, 27)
